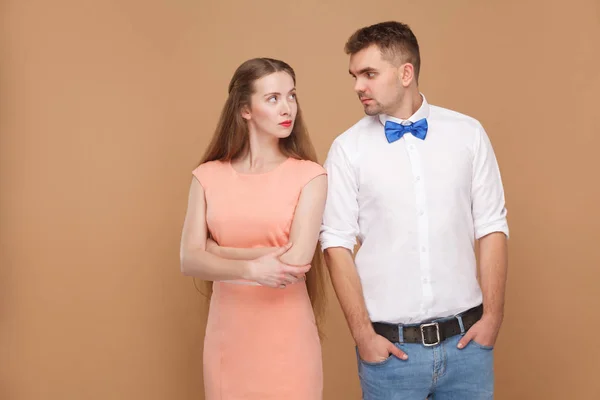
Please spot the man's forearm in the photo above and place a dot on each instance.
(348, 289)
(493, 265)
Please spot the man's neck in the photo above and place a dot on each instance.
(409, 105)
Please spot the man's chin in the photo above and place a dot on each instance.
(370, 111)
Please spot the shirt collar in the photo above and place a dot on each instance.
(422, 112)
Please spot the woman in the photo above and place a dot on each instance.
(252, 225)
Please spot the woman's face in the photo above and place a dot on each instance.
(273, 106)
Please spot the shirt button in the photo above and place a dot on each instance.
(423, 249)
(411, 147)
(418, 178)
(421, 213)
(425, 280)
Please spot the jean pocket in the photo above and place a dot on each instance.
(481, 346)
(373, 364)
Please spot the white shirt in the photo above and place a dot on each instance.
(417, 207)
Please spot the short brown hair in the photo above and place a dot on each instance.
(394, 39)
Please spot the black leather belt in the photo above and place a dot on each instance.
(429, 333)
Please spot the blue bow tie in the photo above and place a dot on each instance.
(394, 131)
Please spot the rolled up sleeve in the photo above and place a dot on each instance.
(340, 218)
(487, 192)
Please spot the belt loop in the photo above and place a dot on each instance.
(400, 334)
(460, 322)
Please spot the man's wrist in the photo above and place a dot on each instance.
(494, 317)
(364, 333)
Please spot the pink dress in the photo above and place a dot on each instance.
(261, 343)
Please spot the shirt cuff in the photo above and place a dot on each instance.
(337, 242)
(496, 226)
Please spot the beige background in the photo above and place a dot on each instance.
(106, 106)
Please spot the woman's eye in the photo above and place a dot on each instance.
(272, 99)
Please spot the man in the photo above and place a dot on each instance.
(418, 185)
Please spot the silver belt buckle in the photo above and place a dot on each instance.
(437, 331)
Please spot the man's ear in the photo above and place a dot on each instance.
(407, 74)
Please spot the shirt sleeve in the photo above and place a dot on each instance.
(340, 218)
(487, 193)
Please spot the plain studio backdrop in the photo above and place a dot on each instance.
(107, 106)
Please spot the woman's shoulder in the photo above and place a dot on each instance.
(306, 170)
(209, 171)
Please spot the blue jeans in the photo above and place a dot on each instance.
(442, 372)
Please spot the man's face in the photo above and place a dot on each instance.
(377, 81)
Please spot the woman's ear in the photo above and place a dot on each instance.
(246, 113)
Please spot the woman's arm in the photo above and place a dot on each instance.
(235, 253)
(306, 224)
(195, 260)
(267, 270)
(303, 235)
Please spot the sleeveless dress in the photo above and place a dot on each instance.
(261, 343)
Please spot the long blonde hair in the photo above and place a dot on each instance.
(230, 141)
